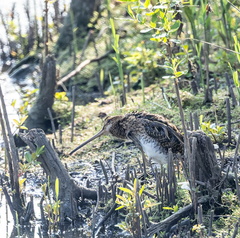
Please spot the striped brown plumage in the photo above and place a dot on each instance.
(153, 134)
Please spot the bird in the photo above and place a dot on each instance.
(153, 134)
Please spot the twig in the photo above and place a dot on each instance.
(60, 133)
(230, 90)
(7, 146)
(196, 121)
(17, 201)
(144, 192)
(236, 153)
(43, 219)
(234, 122)
(165, 224)
(237, 185)
(217, 46)
(113, 162)
(200, 214)
(165, 98)
(191, 121)
(81, 66)
(73, 112)
(170, 170)
(95, 209)
(89, 35)
(110, 212)
(46, 29)
(10, 204)
(210, 223)
(233, 6)
(228, 120)
(104, 171)
(192, 168)
(186, 138)
(235, 230)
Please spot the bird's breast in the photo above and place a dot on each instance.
(154, 151)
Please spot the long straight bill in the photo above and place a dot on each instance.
(87, 141)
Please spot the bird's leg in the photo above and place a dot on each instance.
(135, 140)
(144, 163)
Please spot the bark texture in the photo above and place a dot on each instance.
(38, 116)
(69, 192)
(78, 18)
(206, 167)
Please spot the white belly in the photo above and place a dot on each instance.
(156, 155)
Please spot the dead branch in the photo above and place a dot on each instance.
(12, 157)
(81, 66)
(69, 192)
(166, 224)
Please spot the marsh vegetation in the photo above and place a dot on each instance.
(174, 58)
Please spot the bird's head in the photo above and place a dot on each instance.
(110, 126)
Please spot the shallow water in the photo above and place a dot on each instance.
(10, 92)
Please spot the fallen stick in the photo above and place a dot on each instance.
(81, 66)
(166, 224)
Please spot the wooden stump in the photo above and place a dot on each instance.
(201, 169)
(69, 192)
(206, 168)
(38, 116)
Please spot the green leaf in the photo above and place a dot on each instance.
(175, 208)
(23, 127)
(57, 188)
(120, 207)
(153, 24)
(44, 188)
(168, 208)
(146, 4)
(126, 190)
(140, 18)
(149, 204)
(13, 103)
(235, 79)
(178, 74)
(130, 12)
(141, 190)
(115, 59)
(40, 150)
(101, 75)
(135, 184)
(61, 96)
(115, 49)
(113, 28)
(153, 14)
(168, 77)
(146, 30)
(160, 7)
(16, 122)
(164, 34)
(21, 182)
(127, 0)
(23, 119)
(121, 197)
(28, 156)
(165, 66)
(175, 41)
(175, 25)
